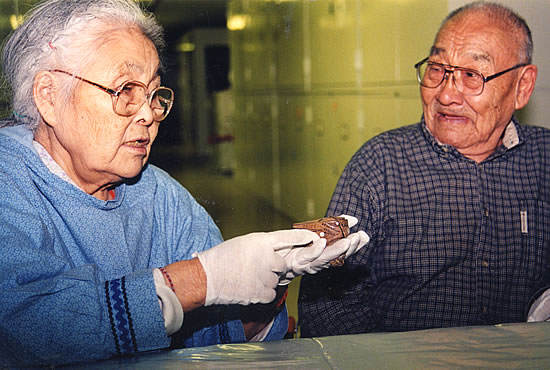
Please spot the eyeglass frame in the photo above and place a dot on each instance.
(115, 93)
(451, 71)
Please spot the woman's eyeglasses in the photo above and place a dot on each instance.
(129, 97)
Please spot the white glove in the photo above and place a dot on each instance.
(302, 260)
(246, 269)
(352, 221)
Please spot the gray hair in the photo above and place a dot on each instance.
(59, 34)
(506, 17)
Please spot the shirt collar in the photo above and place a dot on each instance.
(50, 163)
(510, 138)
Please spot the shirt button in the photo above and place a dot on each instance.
(485, 263)
(484, 309)
(486, 212)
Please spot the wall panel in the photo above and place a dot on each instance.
(314, 80)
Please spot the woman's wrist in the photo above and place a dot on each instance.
(188, 280)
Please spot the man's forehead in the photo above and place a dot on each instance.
(480, 42)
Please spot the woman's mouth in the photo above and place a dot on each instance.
(139, 145)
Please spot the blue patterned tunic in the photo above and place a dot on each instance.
(76, 278)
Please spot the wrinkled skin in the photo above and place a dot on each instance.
(474, 124)
(96, 147)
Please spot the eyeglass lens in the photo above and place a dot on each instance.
(132, 96)
(467, 81)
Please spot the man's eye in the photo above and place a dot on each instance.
(435, 68)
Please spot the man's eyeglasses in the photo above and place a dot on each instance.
(129, 97)
(467, 81)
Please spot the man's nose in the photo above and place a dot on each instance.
(449, 76)
(449, 90)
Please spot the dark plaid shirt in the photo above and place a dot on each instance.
(453, 242)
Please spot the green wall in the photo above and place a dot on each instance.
(312, 81)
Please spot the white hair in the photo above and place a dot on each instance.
(60, 34)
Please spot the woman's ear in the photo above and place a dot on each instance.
(44, 93)
(525, 86)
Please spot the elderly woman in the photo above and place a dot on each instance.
(101, 254)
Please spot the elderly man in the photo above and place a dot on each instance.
(457, 206)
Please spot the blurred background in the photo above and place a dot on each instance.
(274, 96)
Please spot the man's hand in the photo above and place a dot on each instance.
(246, 269)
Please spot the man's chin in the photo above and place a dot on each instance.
(449, 137)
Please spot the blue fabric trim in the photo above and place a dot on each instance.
(127, 308)
(111, 319)
(120, 317)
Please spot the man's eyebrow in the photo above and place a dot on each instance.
(481, 57)
(477, 56)
(434, 50)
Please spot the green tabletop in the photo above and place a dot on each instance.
(522, 345)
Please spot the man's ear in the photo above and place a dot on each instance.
(44, 93)
(525, 86)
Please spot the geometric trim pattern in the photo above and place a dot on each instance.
(120, 317)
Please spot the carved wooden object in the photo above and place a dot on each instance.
(330, 228)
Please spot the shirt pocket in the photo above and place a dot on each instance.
(522, 237)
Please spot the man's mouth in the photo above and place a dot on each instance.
(450, 117)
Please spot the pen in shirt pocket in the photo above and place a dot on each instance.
(524, 225)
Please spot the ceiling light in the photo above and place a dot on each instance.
(16, 20)
(186, 47)
(237, 22)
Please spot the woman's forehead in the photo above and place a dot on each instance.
(127, 54)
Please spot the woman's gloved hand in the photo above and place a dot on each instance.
(246, 269)
(301, 260)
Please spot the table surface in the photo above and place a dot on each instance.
(521, 345)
